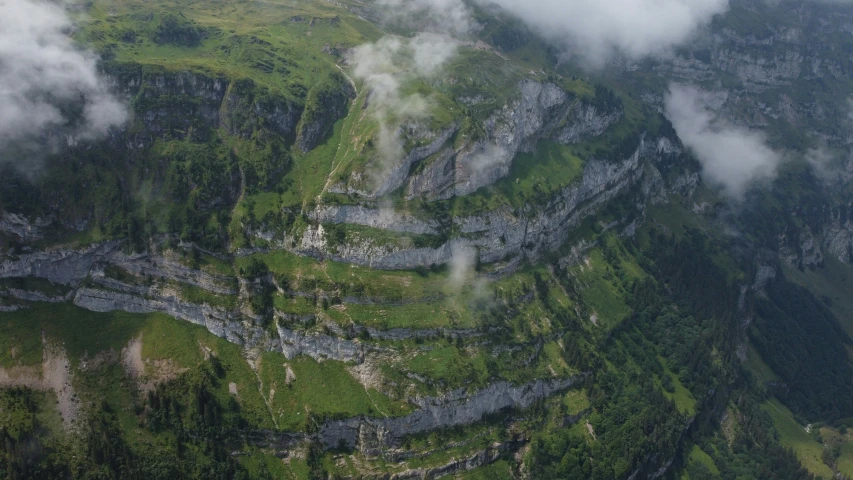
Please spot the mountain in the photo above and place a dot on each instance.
(386, 239)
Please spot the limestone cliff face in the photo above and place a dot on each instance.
(542, 111)
(759, 73)
(809, 248)
(447, 165)
(22, 227)
(60, 265)
(496, 235)
(375, 217)
(192, 104)
(220, 323)
(373, 435)
(326, 103)
(246, 110)
(319, 347)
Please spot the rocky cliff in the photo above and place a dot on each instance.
(188, 104)
(496, 235)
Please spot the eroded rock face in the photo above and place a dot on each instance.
(220, 323)
(64, 266)
(374, 436)
(447, 169)
(178, 104)
(147, 265)
(807, 248)
(319, 347)
(496, 235)
(324, 106)
(542, 110)
(375, 217)
(22, 227)
(785, 51)
(371, 435)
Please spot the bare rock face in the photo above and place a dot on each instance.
(586, 121)
(319, 347)
(147, 265)
(326, 103)
(220, 323)
(63, 266)
(446, 169)
(22, 227)
(541, 111)
(496, 235)
(396, 176)
(372, 435)
(838, 240)
(375, 217)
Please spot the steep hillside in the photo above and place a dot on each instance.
(331, 242)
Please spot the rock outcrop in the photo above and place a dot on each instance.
(192, 104)
(542, 110)
(59, 265)
(496, 235)
(371, 435)
(221, 323)
(21, 227)
(319, 347)
(326, 103)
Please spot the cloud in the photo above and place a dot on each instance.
(386, 67)
(731, 156)
(46, 82)
(450, 17)
(592, 30)
(821, 160)
(635, 28)
(463, 261)
(481, 164)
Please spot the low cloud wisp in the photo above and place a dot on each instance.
(449, 17)
(732, 157)
(592, 31)
(386, 67)
(634, 28)
(46, 81)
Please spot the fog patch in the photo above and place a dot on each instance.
(463, 264)
(47, 82)
(482, 163)
(732, 157)
(821, 161)
(449, 17)
(386, 67)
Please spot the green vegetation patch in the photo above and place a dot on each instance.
(698, 456)
(303, 393)
(601, 290)
(794, 436)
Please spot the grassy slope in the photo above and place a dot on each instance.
(85, 334)
(832, 283)
(794, 436)
(759, 367)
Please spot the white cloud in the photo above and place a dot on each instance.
(731, 156)
(41, 70)
(592, 30)
(597, 29)
(463, 261)
(438, 16)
